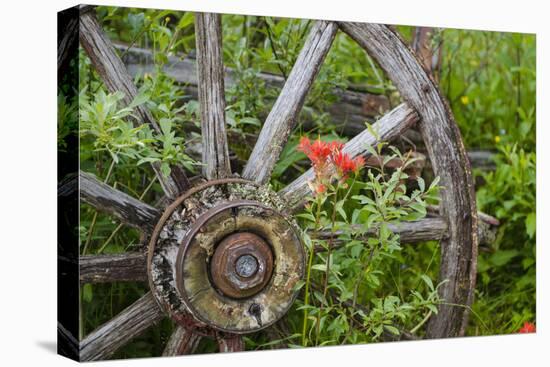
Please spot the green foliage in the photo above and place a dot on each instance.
(67, 119)
(351, 274)
(489, 80)
(507, 272)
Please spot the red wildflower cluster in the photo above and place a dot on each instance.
(345, 164)
(527, 328)
(326, 155)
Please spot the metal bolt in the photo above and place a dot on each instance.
(246, 266)
(241, 265)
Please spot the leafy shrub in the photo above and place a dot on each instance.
(507, 271)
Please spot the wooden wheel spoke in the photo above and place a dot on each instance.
(426, 229)
(114, 334)
(393, 124)
(129, 210)
(282, 117)
(182, 341)
(230, 343)
(215, 152)
(449, 161)
(128, 267)
(116, 78)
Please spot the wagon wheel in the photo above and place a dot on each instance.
(216, 263)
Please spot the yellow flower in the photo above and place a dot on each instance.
(167, 19)
(497, 139)
(465, 100)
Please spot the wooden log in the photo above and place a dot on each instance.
(349, 112)
(449, 160)
(129, 210)
(127, 267)
(387, 128)
(182, 341)
(116, 78)
(108, 338)
(215, 152)
(281, 119)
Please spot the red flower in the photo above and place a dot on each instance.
(325, 154)
(345, 164)
(527, 328)
(318, 152)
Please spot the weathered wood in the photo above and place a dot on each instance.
(182, 341)
(114, 334)
(129, 210)
(387, 128)
(230, 343)
(281, 119)
(67, 42)
(427, 51)
(426, 229)
(215, 153)
(482, 159)
(449, 160)
(116, 78)
(127, 267)
(67, 343)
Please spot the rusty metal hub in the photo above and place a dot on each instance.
(225, 255)
(242, 265)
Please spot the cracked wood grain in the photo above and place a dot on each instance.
(282, 117)
(108, 338)
(182, 341)
(215, 152)
(129, 210)
(126, 267)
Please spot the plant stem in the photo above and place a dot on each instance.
(327, 270)
(424, 320)
(308, 272)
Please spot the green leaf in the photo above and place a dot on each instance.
(140, 99)
(319, 267)
(421, 183)
(428, 281)
(299, 284)
(531, 224)
(432, 308)
(392, 329)
(165, 169)
(87, 293)
(502, 257)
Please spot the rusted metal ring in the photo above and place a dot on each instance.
(242, 265)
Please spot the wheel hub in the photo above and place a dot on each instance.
(225, 255)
